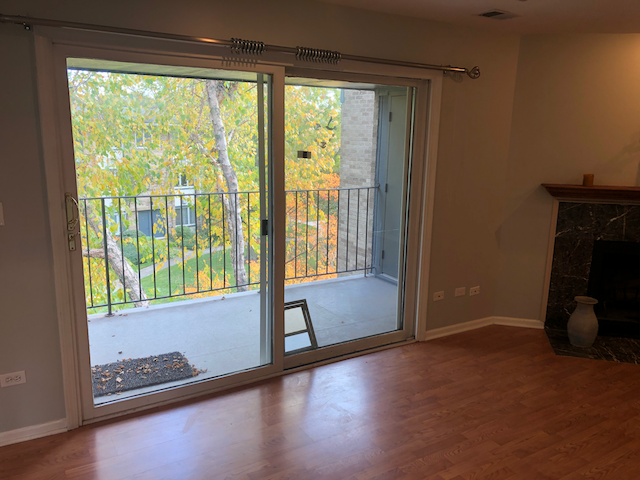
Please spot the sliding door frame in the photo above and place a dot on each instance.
(52, 44)
(409, 254)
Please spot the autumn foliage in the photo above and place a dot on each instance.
(141, 141)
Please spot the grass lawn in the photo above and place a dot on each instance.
(183, 277)
(187, 276)
(189, 279)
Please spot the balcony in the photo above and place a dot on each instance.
(160, 274)
(342, 309)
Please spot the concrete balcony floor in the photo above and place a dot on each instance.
(222, 334)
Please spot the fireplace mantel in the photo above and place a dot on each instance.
(605, 193)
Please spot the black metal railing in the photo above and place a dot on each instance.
(338, 215)
(155, 248)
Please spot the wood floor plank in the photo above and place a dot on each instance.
(494, 403)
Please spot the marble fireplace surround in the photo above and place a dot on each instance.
(583, 215)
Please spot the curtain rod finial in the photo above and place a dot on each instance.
(474, 72)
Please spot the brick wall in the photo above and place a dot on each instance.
(357, 169)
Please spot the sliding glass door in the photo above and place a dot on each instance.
(225, 224)
(347, 147)
(168, 202)
(171, 195)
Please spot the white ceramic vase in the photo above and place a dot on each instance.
(583, 323)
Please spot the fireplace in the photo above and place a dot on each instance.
(614, 279)
(595, 251)
(592, 246)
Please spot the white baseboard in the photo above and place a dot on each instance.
(518, 322)
(458, 328)
(34, 431)
(479, 323)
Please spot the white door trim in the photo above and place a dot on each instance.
(430, 155)
(57, 224)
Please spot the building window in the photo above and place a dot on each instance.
(182, 180)
(142, 138)
(187, 215)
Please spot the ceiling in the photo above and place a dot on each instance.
(536, 16)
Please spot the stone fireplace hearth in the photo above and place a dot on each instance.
(596, 252)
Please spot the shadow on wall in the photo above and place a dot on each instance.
(457, 77)
(523, 239)
(533, 206)
(628, 156)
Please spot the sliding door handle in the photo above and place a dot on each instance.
(73, 217)
(73, 214)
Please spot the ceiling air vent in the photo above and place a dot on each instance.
(498, 15)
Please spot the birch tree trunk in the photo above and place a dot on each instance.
(120, 265)
(232, 207)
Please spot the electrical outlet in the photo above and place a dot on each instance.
(461, 291)
(11, 379)
(474, 291)
(438, 296)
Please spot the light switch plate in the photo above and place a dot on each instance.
(461, 291)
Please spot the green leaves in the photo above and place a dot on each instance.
(136, 134)
(312, 123)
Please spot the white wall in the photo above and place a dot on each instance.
(475, 125)
(28, 324)
(576, 110)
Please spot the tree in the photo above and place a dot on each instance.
(114, 255)
(232, 207)
(136, 134)
(312, 123)
(118, 264)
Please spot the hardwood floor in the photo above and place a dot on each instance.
(493, 403)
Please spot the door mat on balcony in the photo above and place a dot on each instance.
(129, 374)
